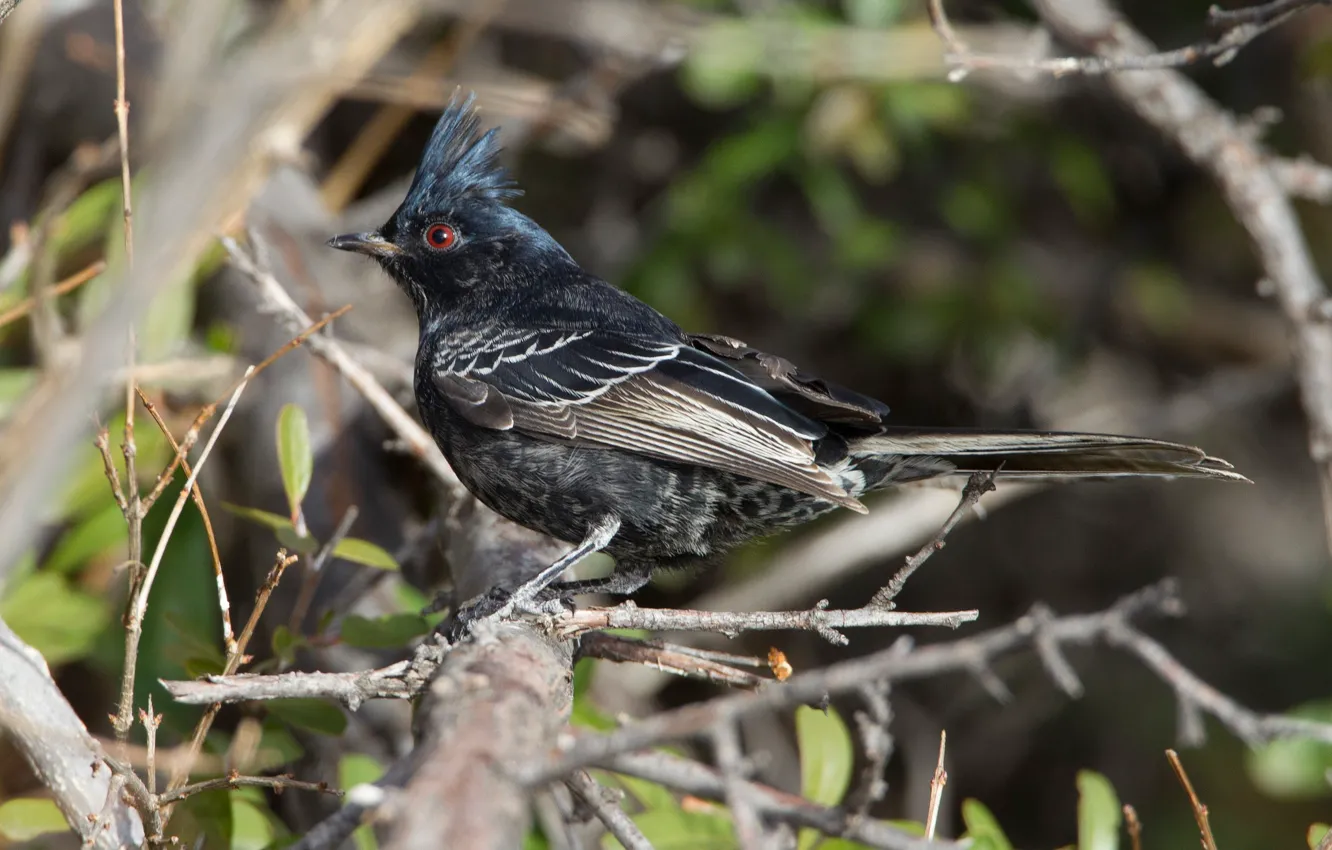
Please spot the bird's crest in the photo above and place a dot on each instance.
(460, 161)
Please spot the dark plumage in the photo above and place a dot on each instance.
(575, 409)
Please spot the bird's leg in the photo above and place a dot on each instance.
(528, 596)
(626, 579)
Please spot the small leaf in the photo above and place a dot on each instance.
(982, 828)
(1294, 768)
(364, 552)
(294, 456)
(1099, 814)
(251, 826)
(26, 818)
(391, 632)
(826, 755)
(276, 522)
(1316, 833)
(285, 643)
(826, 758)
(313, 714)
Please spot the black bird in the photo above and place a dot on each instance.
(573, 408)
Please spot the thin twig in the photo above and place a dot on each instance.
(670, 658)
(818, 619)
(604, 804)
(937, 783)
(69, 284)
(122, 108)
(1228, 38)
(276, 300)
(314, 569)
(978, 485)
(1199, 810)
(138, 605)
(277, 783)
(1134, 827)
(223, 603)
(151, 722)
(233, 661)
(187, 443)
(876, 743)
(749, 832)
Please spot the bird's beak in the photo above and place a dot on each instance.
(371, 244)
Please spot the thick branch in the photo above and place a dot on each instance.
(63, 756)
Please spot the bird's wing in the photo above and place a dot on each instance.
(660, 398)
(812, 396)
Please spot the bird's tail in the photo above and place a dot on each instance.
(1040, 454)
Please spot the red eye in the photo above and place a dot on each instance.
(441, 237)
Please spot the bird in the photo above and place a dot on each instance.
(571, 407)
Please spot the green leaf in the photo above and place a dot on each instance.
(364, 552)
(294, 456)
(286, 532)
(982, 827)
(26, 818)
(96, 534)
(1099, 814)
(54, 618)
(356, 769)
(826, 759)
(285, 643)
(826, 755)
(391, 632)
(673, 829)
(87, 219)
(1294, 768)
(312, 714)
(1316, 833)
(251, 823)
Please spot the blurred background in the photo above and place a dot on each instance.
(1003, 251)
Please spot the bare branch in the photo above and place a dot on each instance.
(967, 655)
(605, 804)
(818, 619)
(978, 485)
(1231, 32)
(350, 689)
(749, 832)
(42, 725)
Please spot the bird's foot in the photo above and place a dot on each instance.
(499, 603)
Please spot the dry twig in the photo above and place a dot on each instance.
(978, 485)
(1199, 809)
(937, 783)
(1230, 32)
(605, 804)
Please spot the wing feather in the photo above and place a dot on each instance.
(658, 398)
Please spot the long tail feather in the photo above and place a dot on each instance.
(1049, 454)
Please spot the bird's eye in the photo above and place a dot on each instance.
(441, 237)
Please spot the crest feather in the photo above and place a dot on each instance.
(460, 161)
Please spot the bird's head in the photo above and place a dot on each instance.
(454, 231)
